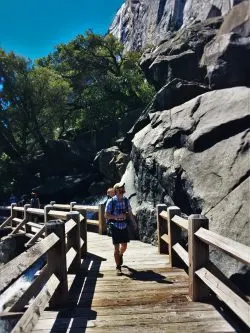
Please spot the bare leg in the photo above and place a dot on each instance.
(123, 248)
(117, 254)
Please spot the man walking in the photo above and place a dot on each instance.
(118, 213)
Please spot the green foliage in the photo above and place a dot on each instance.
(106, 81)
(84, 85)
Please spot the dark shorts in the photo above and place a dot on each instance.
(119, 235)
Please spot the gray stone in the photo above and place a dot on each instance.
(111, 163)
(227, 56)
(145, 22)
(195, 156)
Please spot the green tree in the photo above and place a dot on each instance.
(33, 106)
(107, 82)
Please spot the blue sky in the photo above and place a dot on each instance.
(33, 28)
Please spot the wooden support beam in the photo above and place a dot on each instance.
(72, 204)
(13, 213)
(101, 218)
(36, 236)
(162, 229)
(83, 233)
(73, 238)
(198, 257)
(174, 235)
(56, 261)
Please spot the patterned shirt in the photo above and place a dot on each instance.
(116, 207)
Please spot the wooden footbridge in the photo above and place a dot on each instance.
(172, 288)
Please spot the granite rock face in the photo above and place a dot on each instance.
(196, 156)
(139, 23)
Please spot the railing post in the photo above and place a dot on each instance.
(83, 233)
(198, 257)
(73, 237)
(174, 236)
(26, 217)
(72, 204)
(47, 208)
(162, 228)
(13, 213)
(56, 261)
(101, 218)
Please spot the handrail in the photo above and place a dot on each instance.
(16, 267)
(169, 225)
(100, 222)
(235, 249)
(53, 277)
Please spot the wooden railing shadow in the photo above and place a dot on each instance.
(80, 297)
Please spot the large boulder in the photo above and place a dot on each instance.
(196, 156)
(111, 163)
(227, 56)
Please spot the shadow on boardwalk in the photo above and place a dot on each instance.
(145, 275)
(80, 297)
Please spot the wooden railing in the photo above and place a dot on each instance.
(100, 223)
(65, 244)
(21, 218)
(204, 276)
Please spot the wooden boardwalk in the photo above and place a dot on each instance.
(149, 296)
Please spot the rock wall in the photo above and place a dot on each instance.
(190, 145)
(139, 23)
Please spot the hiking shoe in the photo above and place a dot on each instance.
(121, 259)
(118, 270)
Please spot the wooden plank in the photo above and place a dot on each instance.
(164, 215)
(18, 209)
(232, 300)
(31, 316)
(182, 253)
(56, 261)
(235, 249)
(32, 291)
(93, 222)
(58, 214)
(5, 207)
(86, 207)
(70, 256)
(82, 217)
(35, 225)
(19, 226)
(35, 211)
(162, 228)
(10, 315)
(6, 222)
(62, 206)
(174, 235)
(165, 318)
(16, 267)
(36, 236)
(165, 238)
(181, 222)
(69, 225)
(198, 257)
